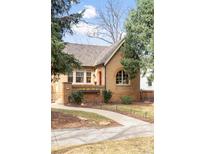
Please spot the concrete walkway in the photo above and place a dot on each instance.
(75, 136)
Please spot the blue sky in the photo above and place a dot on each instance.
(90, 16)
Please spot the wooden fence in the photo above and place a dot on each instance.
(147, 95)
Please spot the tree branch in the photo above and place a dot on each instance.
(110, 22)
(100, 39)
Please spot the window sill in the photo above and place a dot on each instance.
(123, 85)
(82, 83)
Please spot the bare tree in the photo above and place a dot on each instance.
(110, 22)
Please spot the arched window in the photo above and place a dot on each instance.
(122, 78)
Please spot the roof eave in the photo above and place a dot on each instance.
(116, 49)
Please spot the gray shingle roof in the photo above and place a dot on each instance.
(90, 55)
(103, 57)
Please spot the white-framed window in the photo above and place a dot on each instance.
(70, 77)
(88, 77)
(122, 78)
(149, 83)
(79, 77)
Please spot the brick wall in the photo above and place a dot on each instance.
(88, 97)
(67, 90)
(61, 90)
(132, 90)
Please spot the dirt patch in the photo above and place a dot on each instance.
(61, 120)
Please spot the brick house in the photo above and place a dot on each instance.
(101, 69)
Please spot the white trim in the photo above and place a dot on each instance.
(122, 84)
(69, 75)
(84, 77)
(82, 83)
(80, 71)
(87, 71)
(114, 52)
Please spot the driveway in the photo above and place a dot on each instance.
(131, 127)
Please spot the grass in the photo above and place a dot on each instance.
(142, 111)
(87, 115)
(140, 145)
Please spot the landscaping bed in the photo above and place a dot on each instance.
(140, 111)
(61, 119)
(140, 145)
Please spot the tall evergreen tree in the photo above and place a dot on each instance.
(139, 41)
(61, 22)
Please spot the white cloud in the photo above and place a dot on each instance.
(90, 12)
(84, 28)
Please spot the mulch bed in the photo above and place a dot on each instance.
(60, 121)
(146, 103)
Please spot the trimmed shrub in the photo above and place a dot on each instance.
(76, 97)
(126, 99)
(107, 94)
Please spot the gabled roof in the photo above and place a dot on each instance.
(109, 52)
(92, 55)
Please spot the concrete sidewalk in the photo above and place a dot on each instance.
(120, 118)
(131, 128)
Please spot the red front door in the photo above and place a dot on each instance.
(100, 78)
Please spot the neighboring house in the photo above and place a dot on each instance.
(147, 89)
(145, 84)
(101, 69)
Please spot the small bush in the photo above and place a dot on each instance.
(107, 94)
(76, 97)
(126, 99)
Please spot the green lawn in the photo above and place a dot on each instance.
(140, 145)
(141, 111)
